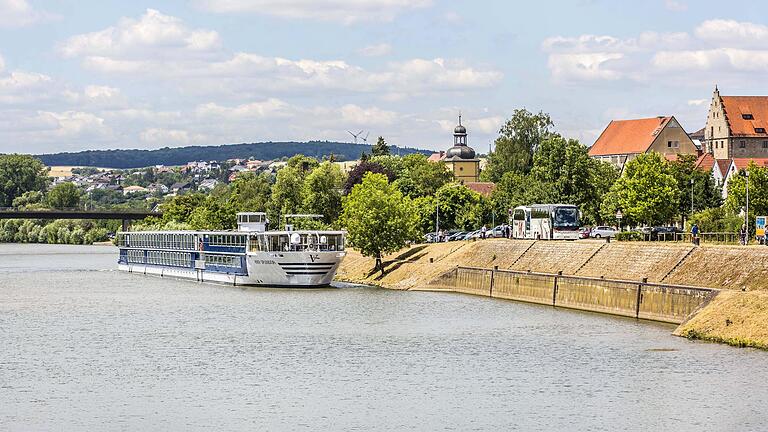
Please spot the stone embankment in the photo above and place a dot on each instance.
(738, 315)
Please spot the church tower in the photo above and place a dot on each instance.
(461, 159)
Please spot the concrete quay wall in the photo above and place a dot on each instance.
(643, 300)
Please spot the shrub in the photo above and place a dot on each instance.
(629, 236)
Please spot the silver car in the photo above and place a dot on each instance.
(602, 232)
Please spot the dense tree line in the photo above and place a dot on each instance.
(182, 155)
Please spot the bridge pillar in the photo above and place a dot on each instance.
(126, 224)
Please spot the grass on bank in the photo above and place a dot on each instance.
(733, 317)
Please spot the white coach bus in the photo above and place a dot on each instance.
(545, 222)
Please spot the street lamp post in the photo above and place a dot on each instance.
(619, 216)
(746, 214)
(691, 196)
(437, 217)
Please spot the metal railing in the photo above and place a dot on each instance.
(637, 299)
(709, 237)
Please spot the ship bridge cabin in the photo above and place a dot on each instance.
(252, 222)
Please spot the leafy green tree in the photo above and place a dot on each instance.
(215, 214)
(63, 195)
(360, 170)
(518, 140)
(758, 193)
(516, 189)
(287, 193)
(180, 207)
(706, 194)
(392, 163)
(716, 219)
(250, 192)
(456, 202)
(425, 209)
(322, 194)
(419, 177)
(380, 148)
(29, 199)
(19, 174)
(378, 218)
(647, 193)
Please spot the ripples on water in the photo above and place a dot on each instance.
(88, 348)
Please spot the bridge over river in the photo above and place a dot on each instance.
(126, 216)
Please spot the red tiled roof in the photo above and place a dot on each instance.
(628, 136)
(736, 106)
(723, 165)
(483, 188)
(742, 163)
(705, 162)
(435, 157)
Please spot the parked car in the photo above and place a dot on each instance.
(472, 234)
(496, 232)
(602, 231)
(584, 232)
(665, 232)
(457, 236)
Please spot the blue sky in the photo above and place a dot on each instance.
(95, 74)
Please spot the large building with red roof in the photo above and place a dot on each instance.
(623, 140)
(737, 127)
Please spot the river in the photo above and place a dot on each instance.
(85, 347)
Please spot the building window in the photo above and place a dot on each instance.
(765, 144)
(759, 130)
(673, 144)
(742, 144)
(747, 117)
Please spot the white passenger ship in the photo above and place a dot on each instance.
(249, 256)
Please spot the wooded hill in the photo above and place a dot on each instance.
(182, 155)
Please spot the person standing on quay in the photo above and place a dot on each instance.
(482, 232)
(694, 233)
(743, 235)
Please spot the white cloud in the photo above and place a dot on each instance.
(675, 5)
(716, 49)
(151, 35)
(733, 33)
(586, 67)
(158, 47)
(377, 50)
(346, 11)
(19, 13)
(20, 87)
(720, 59)
(170, 137)
(697, 102)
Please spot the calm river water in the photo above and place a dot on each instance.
(84, 347)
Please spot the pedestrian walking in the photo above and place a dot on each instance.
(482, 232)
(743, 235)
